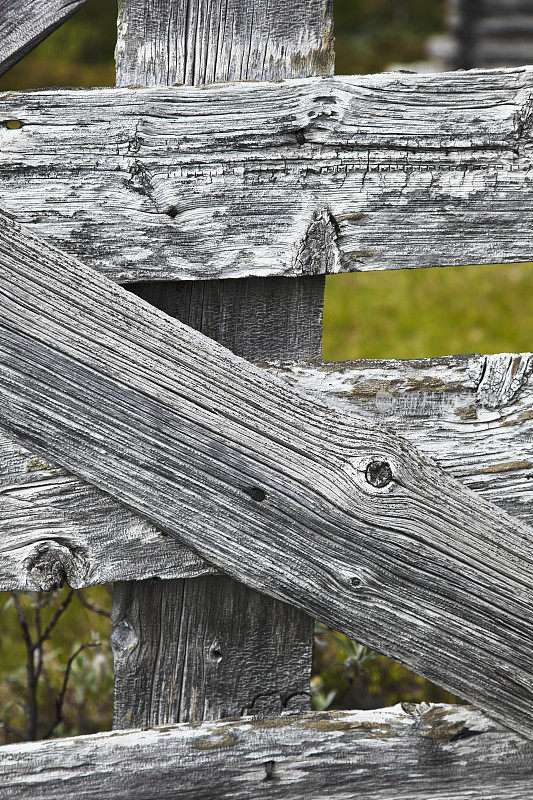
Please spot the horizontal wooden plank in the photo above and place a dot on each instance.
(431, 752)
(26, 23)
(472, 414)
(345, 521)
(319, 175)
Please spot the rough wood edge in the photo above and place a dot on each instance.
(472, 414)
(430, 752)
(368, 194)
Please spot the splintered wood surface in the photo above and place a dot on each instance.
(346, 521)
(472, 414)
(412, 752)
(308, 176)
(26, 23)
(201, 42)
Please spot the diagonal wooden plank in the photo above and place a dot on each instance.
(319, 175)
(345, 521)
(472, 414)
(26, 23)
(409, 752)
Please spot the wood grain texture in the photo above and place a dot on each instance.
(411, 753)
(167, 673)
(304, 177)
(204, 649)
(471, 414)
(266, 645)
(264, 481)
(202, 41)
(260, 319)
(26, 23)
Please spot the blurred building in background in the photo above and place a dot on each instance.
(484, 33)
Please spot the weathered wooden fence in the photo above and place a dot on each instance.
(391, 499)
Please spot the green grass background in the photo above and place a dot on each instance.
(405, 314)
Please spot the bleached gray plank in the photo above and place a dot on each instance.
(432, 752)
(26, 23)
(201, 42)
(263, 481)
(472, 414)
(319, 175)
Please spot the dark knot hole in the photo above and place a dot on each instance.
(378, 474)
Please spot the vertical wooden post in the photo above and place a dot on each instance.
(209, 647)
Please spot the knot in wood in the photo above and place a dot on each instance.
(123, 638)
(378, 474)
(46, 566)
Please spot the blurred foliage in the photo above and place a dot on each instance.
(409, 313)
(372, 34)
(80, 53)
(417, 313)
(84, 623)
(348, 675)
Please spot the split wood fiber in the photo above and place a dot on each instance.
(228, 649)
(471, 414)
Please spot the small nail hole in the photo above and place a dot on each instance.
(172, 212)
(378, 474)
(255, 493)
(215, 654)
(12, 124)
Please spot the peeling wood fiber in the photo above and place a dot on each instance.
(309, 176)
(183, 432)
(26, 23)
(406, 753)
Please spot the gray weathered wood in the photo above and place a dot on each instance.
(401, 753)
(265, 646)
(260, 319)
(472, 414)
(263, 481)
(308, 176)
(205, 649)
(202, 41)
(26, 23)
